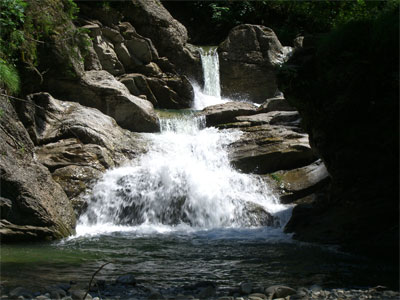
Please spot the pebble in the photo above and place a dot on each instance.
(246, 288)
(122, 289)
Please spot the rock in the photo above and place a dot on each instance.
(168, 97)
(279, 291)
(275, 104)
(153, 21)
(42, 297)
(257, 295)
(140, 48)
(129, 61)
(246, 288)
(298, 42)
(182, 86)
(106, 54)
(71, 151)
(254, 214)
(226, 112)
(150, 70)
(78, 294)
(63, 120)
(38, 205)
(265, 149)
(288, 118)
(101, 90)
(207, 292)
(20, 292)
(137, 85)
(301, 182)
(111, 34)
(155, 296)
(127, 279)
(91, 59)
(248, 57)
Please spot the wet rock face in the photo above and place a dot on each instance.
(248, 58)
(33, 205)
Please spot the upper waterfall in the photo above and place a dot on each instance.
(210, 64)
(211, 92)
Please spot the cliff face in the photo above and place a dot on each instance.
(346, 90)
(54, 150)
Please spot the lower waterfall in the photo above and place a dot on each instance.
(185, 180)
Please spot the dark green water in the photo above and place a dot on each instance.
(225, 256)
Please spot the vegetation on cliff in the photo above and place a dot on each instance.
(28, 30)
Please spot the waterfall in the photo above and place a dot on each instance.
(184, 179)
(211, 92)
(210, 64)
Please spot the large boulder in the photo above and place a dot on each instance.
(248, 58)
(269, 148)
(99, 89)
(298, 183)
(227, 112)
(153, 21)
(33, 206)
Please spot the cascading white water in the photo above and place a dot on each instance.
(211, 93)
(184, 178)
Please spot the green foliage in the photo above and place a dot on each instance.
(287, 18)
(9, 78)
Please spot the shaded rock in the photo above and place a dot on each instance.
(301, 182)
(275, 104)
(101, 90)
(20, 291)
(127, 279)
(273, 118)
(279, 291)
(246, 288)
(153, 21)
(140, 48)
(105, 50)
(207, 292)
(248, 57)
(150, 70)
(265, 149)
(226, 112)
(167, 97)
(39, 207)
(78, 294)
(111, 34)
(91, 59)
(254, 214)
(137, 85)
(125, 56)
